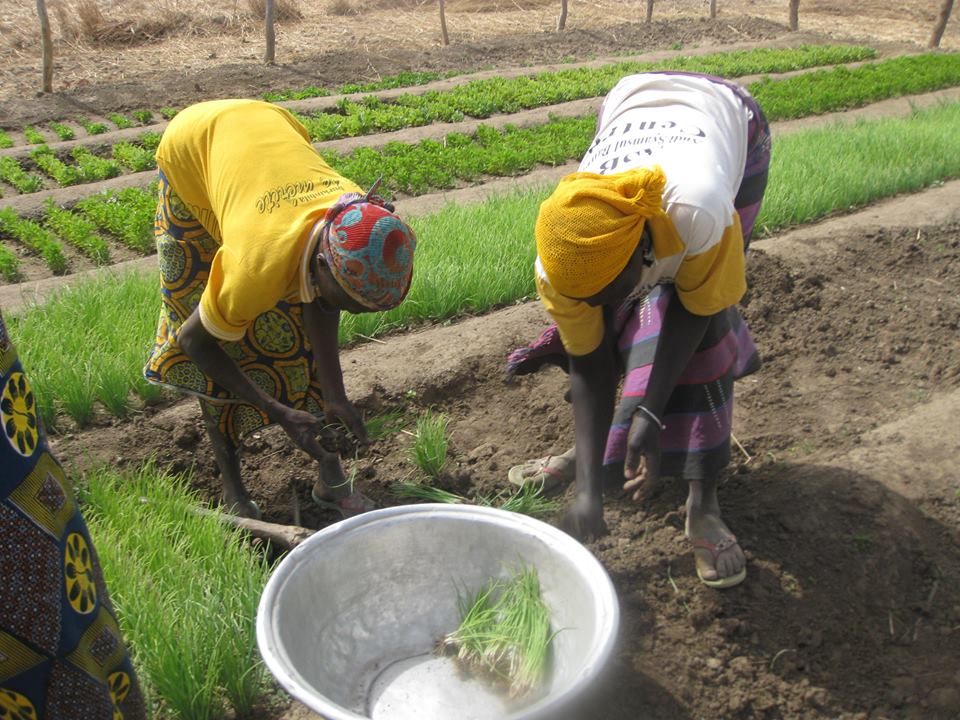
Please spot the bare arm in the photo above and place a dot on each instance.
(593, 384)
(323, 327)
(205, 350)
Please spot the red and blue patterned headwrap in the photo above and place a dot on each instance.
(368, 249)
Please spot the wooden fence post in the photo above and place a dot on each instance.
(46, 43)
(649, 11)
(794, 15)
(270, 56)
(443, 25)
(562, 20)
(713, 9)
(945, 7)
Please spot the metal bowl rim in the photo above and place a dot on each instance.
(595, 574)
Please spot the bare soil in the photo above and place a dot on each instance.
(844, 494)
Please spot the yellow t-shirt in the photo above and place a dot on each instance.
(248, 173)
(706, 282)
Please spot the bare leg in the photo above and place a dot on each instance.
(236, 500)
(717, 554)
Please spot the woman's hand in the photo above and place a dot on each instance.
(344, 411)
(303, 428)
(584, 518)
(641, 467)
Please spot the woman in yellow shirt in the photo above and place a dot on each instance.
(261, 246)
(640, 263)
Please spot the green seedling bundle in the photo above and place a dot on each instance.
(504, 634)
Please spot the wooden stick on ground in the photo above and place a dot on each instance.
(288, 536)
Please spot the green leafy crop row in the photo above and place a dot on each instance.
(87, 168)
(841, 88)
(78, 231)
(9, 264)
(484, 98)
(127, 214)
(12, 173)
(34, 236)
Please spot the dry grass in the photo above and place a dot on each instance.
(284, 10)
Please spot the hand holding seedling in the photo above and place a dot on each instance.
(345, 412)
(303, 428)
(641, 468)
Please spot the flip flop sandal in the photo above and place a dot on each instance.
(353, 504)
(715, 550)
(536, 472)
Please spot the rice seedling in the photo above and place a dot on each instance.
(9, 264)
(94, 128)
(76, 230)
(526, 500)
(425, 492)
(166, 566)
(384, 424)
(64, 132)
(88, 343)
(504, 633)
(33, 136)
(5, 140)
(143, 116)
(12, 173)
(429, 448)
(35, 237)
(121, 121)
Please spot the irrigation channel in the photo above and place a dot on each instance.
(843, 492)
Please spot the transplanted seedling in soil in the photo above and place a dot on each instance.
(429, 449)
(504, 635)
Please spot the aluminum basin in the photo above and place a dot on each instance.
(349, 619)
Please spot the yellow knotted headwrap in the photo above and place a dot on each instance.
(589, 227)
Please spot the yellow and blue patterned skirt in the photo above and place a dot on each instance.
(275, 353)
(61, 653)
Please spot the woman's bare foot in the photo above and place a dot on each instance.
(241, 506)
(719, 558)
